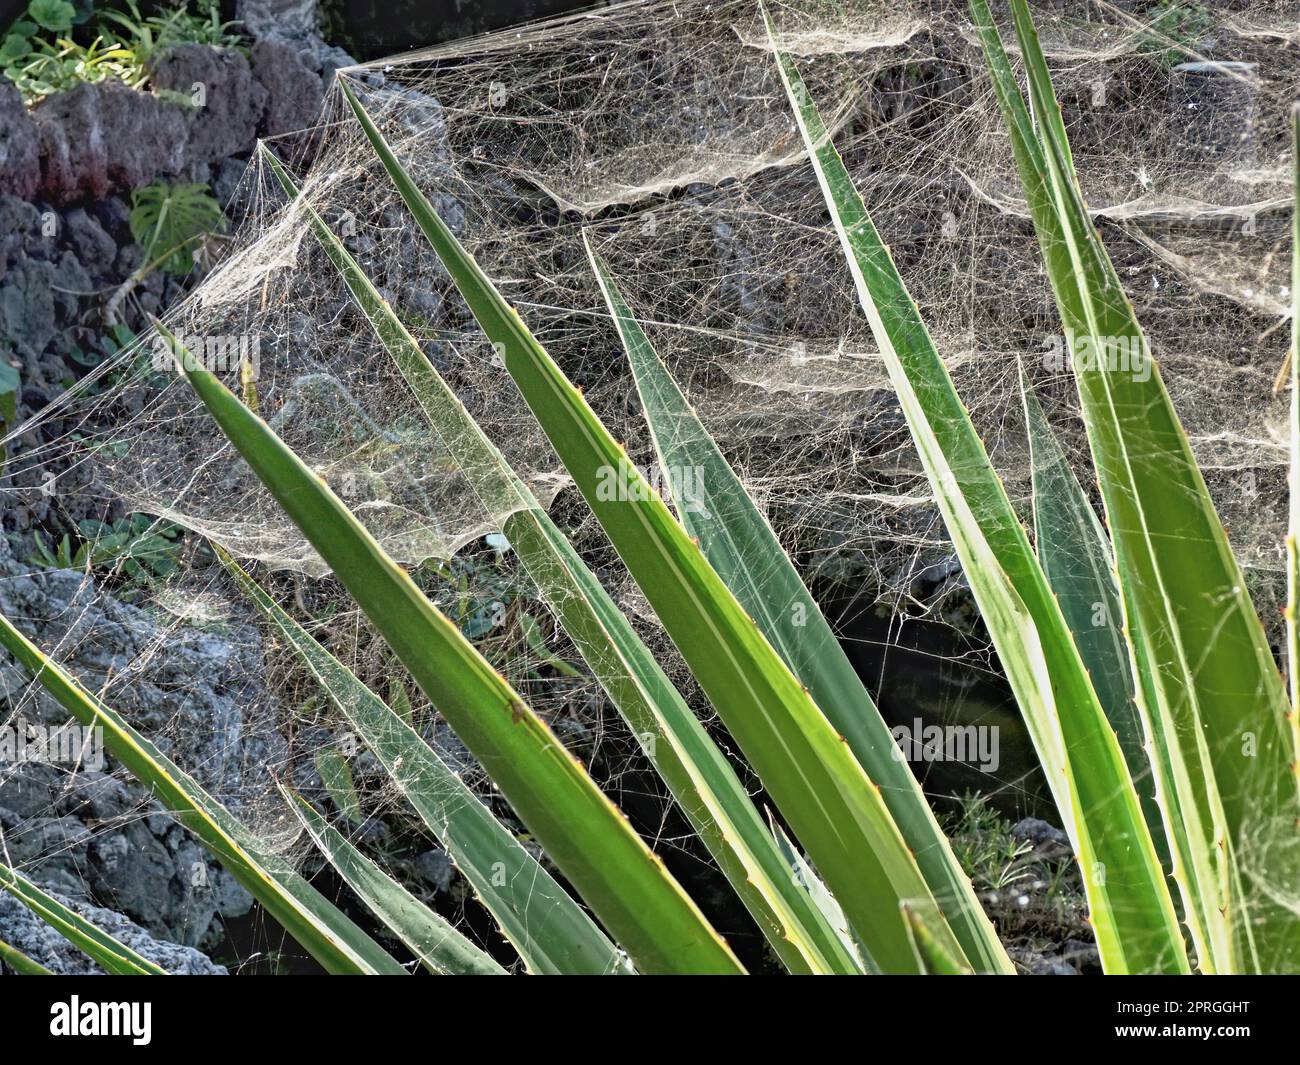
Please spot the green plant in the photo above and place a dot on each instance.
(10, 383)
(139, 547)
(864, 896)
(117, 341)
(1174, 30)
(113, 956)
(170, 222)
(40, 67)
(152, 35)
(46, 51)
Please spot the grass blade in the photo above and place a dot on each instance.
(440, 948)
(1293, 531)
(1075, 555)
(935, 961)
(695, 770)
(805, 877)
(20, 963)
(551, 932)
(1131, 911)
(586, 836)
(741, 545)
(325, 933)
(1214, 702)
(115, 958)
(831, 805)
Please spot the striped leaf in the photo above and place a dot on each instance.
(586, 836)
(1214, 703)
(20, 963)
(935, 961)
(1130, 909)
(832, 807)
(440, 948)
(695, 770)
(740, 544)
(325, 933)
(551, 932)
(1293, 530)
(1075, 555)
(113, 956)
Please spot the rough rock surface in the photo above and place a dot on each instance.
(293, 91)
(20, 928)
(104, 137)
(208, 104)
(195, 693)
(230, 101)
(20, 163)
(55, 266)
(296, 24)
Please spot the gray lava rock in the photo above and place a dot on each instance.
(20, 163)
(24, 930)
(232, 105)
(27, 306)
(1053, 967)
(92, 830)
(95, 249)
(103, 136)
(226, 182)
(294, 23)
(294, 92)
(1048, 840)
(435, 868)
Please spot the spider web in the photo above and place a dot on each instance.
(660, 129)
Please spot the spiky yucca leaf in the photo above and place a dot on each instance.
(20, 962)
(935, 961)
(1293, 525)
(112, 955)
(1130, 908)
(741, 545)
(551, 932)
(1075, 555)
(324, 932)
(695, 770)
(439, 947)
(586, 836)
(832, 807)
(1213, 701)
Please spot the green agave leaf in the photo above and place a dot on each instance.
(114, 957)
(400, 700)
(440, 948)
(336, 775)
(586, 836)
(1130, 908)
(1074, 552)
(833, 808)
(935, 960)
(20, 962)
(1293, 531)
(695, 770)
(324, 932)
(1213, 700)
(551, 932)
(746, 553)
(805, 877)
